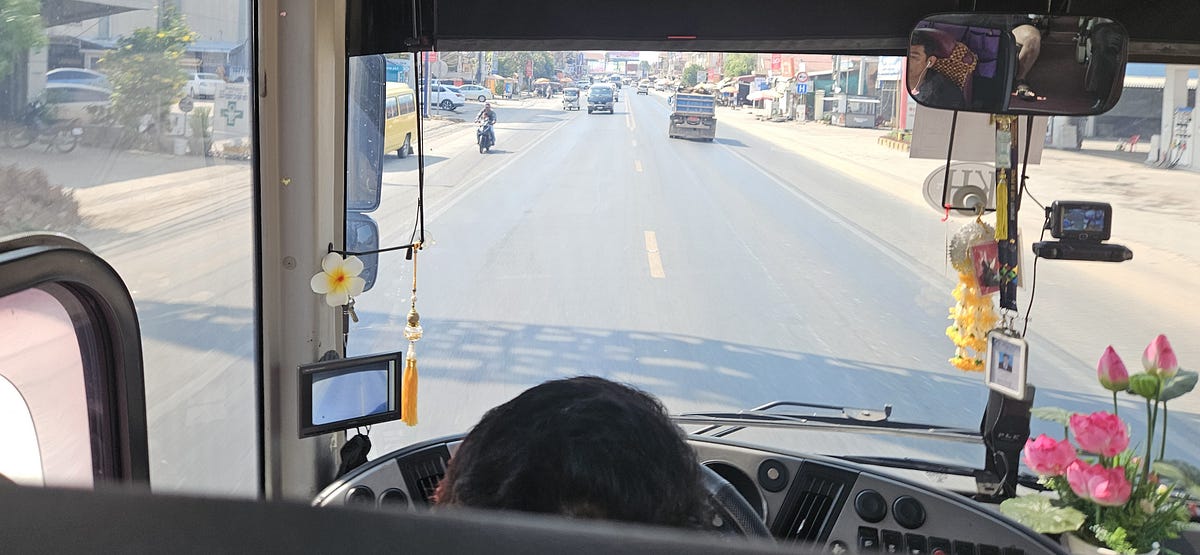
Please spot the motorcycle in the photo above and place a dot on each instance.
(484, 137)
(36, 125)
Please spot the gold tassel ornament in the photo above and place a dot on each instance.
(412, 332)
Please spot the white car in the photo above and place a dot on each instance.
(203, 85)
(69, 101)
(445, 97)
(476, 92)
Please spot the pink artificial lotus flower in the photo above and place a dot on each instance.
(1100, 433)
(1049, 457)
(1159, 358)
(1102, 486)
(1111, 371)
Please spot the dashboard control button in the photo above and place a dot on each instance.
(891, 541)
(870, 505)
(393, 498)
(916, 544)
(964, 548)
(772, 475)
(838, 548)
(868, 539)
(360, 495)
(988, 549)
(939, 546)
(908, 512)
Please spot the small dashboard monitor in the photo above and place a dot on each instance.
(341, 394)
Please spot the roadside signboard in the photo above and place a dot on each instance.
(801, 88)
(186, 104)
(231, 111)
(529, 68)
(776, 61)
(801, 77)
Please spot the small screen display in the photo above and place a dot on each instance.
(343, 395)
(1083, 219)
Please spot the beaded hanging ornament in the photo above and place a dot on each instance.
(973, 314)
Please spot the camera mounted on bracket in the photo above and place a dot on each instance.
(1081, 228)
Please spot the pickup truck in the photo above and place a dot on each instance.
(693, 116)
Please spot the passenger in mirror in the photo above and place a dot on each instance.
(1029, 45)
(929, 55)
(583, 447)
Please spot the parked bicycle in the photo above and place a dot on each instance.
(37, 125)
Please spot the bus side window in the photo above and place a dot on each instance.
(390, 109)
(408, 104)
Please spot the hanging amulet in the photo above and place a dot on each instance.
(413, 331)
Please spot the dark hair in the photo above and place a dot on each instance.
(928, 38)
(584, 447)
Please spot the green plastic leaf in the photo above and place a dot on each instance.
(1179, 472)
(1144, 385)
(1039, 514)
(1052, 414)
(1183, 382)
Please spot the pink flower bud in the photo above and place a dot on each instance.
(1048, 457)
(1111, 371)
(1159, 358)
(1100, 433)
(1103, 486)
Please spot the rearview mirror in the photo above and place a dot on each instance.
(1017, 63)
(362, 235)
(341, 394)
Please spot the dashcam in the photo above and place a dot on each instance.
(1081, 228)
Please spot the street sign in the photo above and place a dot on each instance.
(185, 104)
(801, 88)
(801, 77)
(529, 68)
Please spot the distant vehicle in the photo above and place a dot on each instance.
(446, 98)
(400, 119)
(643, 88)
(693, 116)
(570, 98)
(476, 92)
(78, 76)
(615, 80)
(600, 98)
(68, 101)
(204, 85)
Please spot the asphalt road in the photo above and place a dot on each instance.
(718, 276)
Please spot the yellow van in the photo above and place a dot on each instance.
(400, 119)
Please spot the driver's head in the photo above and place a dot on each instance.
(924, 49)
(583, 447)
(487, 105)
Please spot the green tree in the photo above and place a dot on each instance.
(739, 64)
(145, 73)
(508, 63)
(20, 29)
(689, 74)
(645, 67)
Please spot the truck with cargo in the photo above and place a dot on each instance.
(693, 116)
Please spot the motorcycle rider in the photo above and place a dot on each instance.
(490, 115)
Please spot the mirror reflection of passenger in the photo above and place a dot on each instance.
(583, 447)
(1029, 46)
(925, 81)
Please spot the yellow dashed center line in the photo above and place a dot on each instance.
(656, 265)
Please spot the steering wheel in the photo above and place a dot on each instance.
(735, 512)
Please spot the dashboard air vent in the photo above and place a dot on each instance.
(422, 472)
(813, 503)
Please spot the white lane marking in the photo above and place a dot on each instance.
(652, 255)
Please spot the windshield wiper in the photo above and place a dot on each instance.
(721, 424)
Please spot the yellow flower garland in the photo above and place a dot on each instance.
(974, 316)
